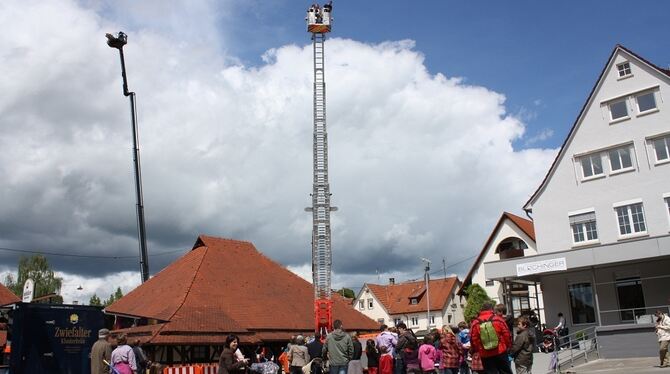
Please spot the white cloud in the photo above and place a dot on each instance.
(541, 136)
(421, 164)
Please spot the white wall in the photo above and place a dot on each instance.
(377, 311)
(566, 192)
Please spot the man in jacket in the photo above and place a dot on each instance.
(315, 348)
(522, 349)
(495, 359)
(101, 350)
(386, 339)
(406, 341)
(339, 349)
(663, 332)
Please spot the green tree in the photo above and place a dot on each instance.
(476, 296)
(118, 294)
(347, 292)
(38, 269)
(95, 300)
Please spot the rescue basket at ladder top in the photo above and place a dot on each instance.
(319, 19)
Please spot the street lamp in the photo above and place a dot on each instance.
(118, 42)
(427, 276)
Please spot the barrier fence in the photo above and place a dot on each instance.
(192, 369)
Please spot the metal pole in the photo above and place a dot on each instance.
(427, 278)
(118, 43)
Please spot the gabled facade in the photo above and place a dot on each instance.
(408, 302)
(511, 237)
(602, 213)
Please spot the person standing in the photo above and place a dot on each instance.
(464, 338)
(101, 350)
(522, 349)
(123, 357)
(386, 339)
(298, 355)
(373, 356)
(355, 366)
(562, 331)
(141, 360)
(314, 348)
(428, 355)
(491, 338)
(405, 350)
(339, 349)
(452, 351)
(385, 361)
(228, 362)
(663, 332)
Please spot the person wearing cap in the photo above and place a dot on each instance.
(101, 350)
(298, 355)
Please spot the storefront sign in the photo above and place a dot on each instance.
(544, 266)
(28, 291)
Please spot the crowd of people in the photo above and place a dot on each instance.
(114, 355)
(484, 346)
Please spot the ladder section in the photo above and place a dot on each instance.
(321, 250)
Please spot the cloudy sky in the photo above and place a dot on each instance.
(440, 117)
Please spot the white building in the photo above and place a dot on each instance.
(407, 302)
(511, 237)
(602, 213)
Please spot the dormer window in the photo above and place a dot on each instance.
(414, 301)
(624, 69)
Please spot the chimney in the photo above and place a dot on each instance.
(391, 281)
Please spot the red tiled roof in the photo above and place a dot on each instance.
(7, 296)
(396, 297)
(524, 225)
(226, 286)
(554, 164)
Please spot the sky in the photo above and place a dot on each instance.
(441, 116)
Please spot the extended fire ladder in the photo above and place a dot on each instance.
(319, 25)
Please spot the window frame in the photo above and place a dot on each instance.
(629, 217)
(629, 148)
(616, 101)
(489, 283)
(583, 229)
(622, 69)
(572, 307)
(371, 304)
(590, 158)
(361, 304)
(666, 143)
(641, 112)
(666, 200)
(414, 321)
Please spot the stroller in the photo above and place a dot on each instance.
(550, 341)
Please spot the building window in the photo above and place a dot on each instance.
(413, 301)
(397, 321)
(631, 298)
(667, 203)
(584, 227)
(631, 219)
(624, 69)
(618, 110)
(489, 283)
(662, 149)
(646, 102)
(581, 303)
(380, 321)
(449, 317)
(414, 321)
(370, 304)
(591, 165)
(620, 159)
(361, 304)
(432, 320)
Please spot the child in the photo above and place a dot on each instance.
(522, 349)
(372, 355)
(428, 355)
(385, 361)
(464, 338)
